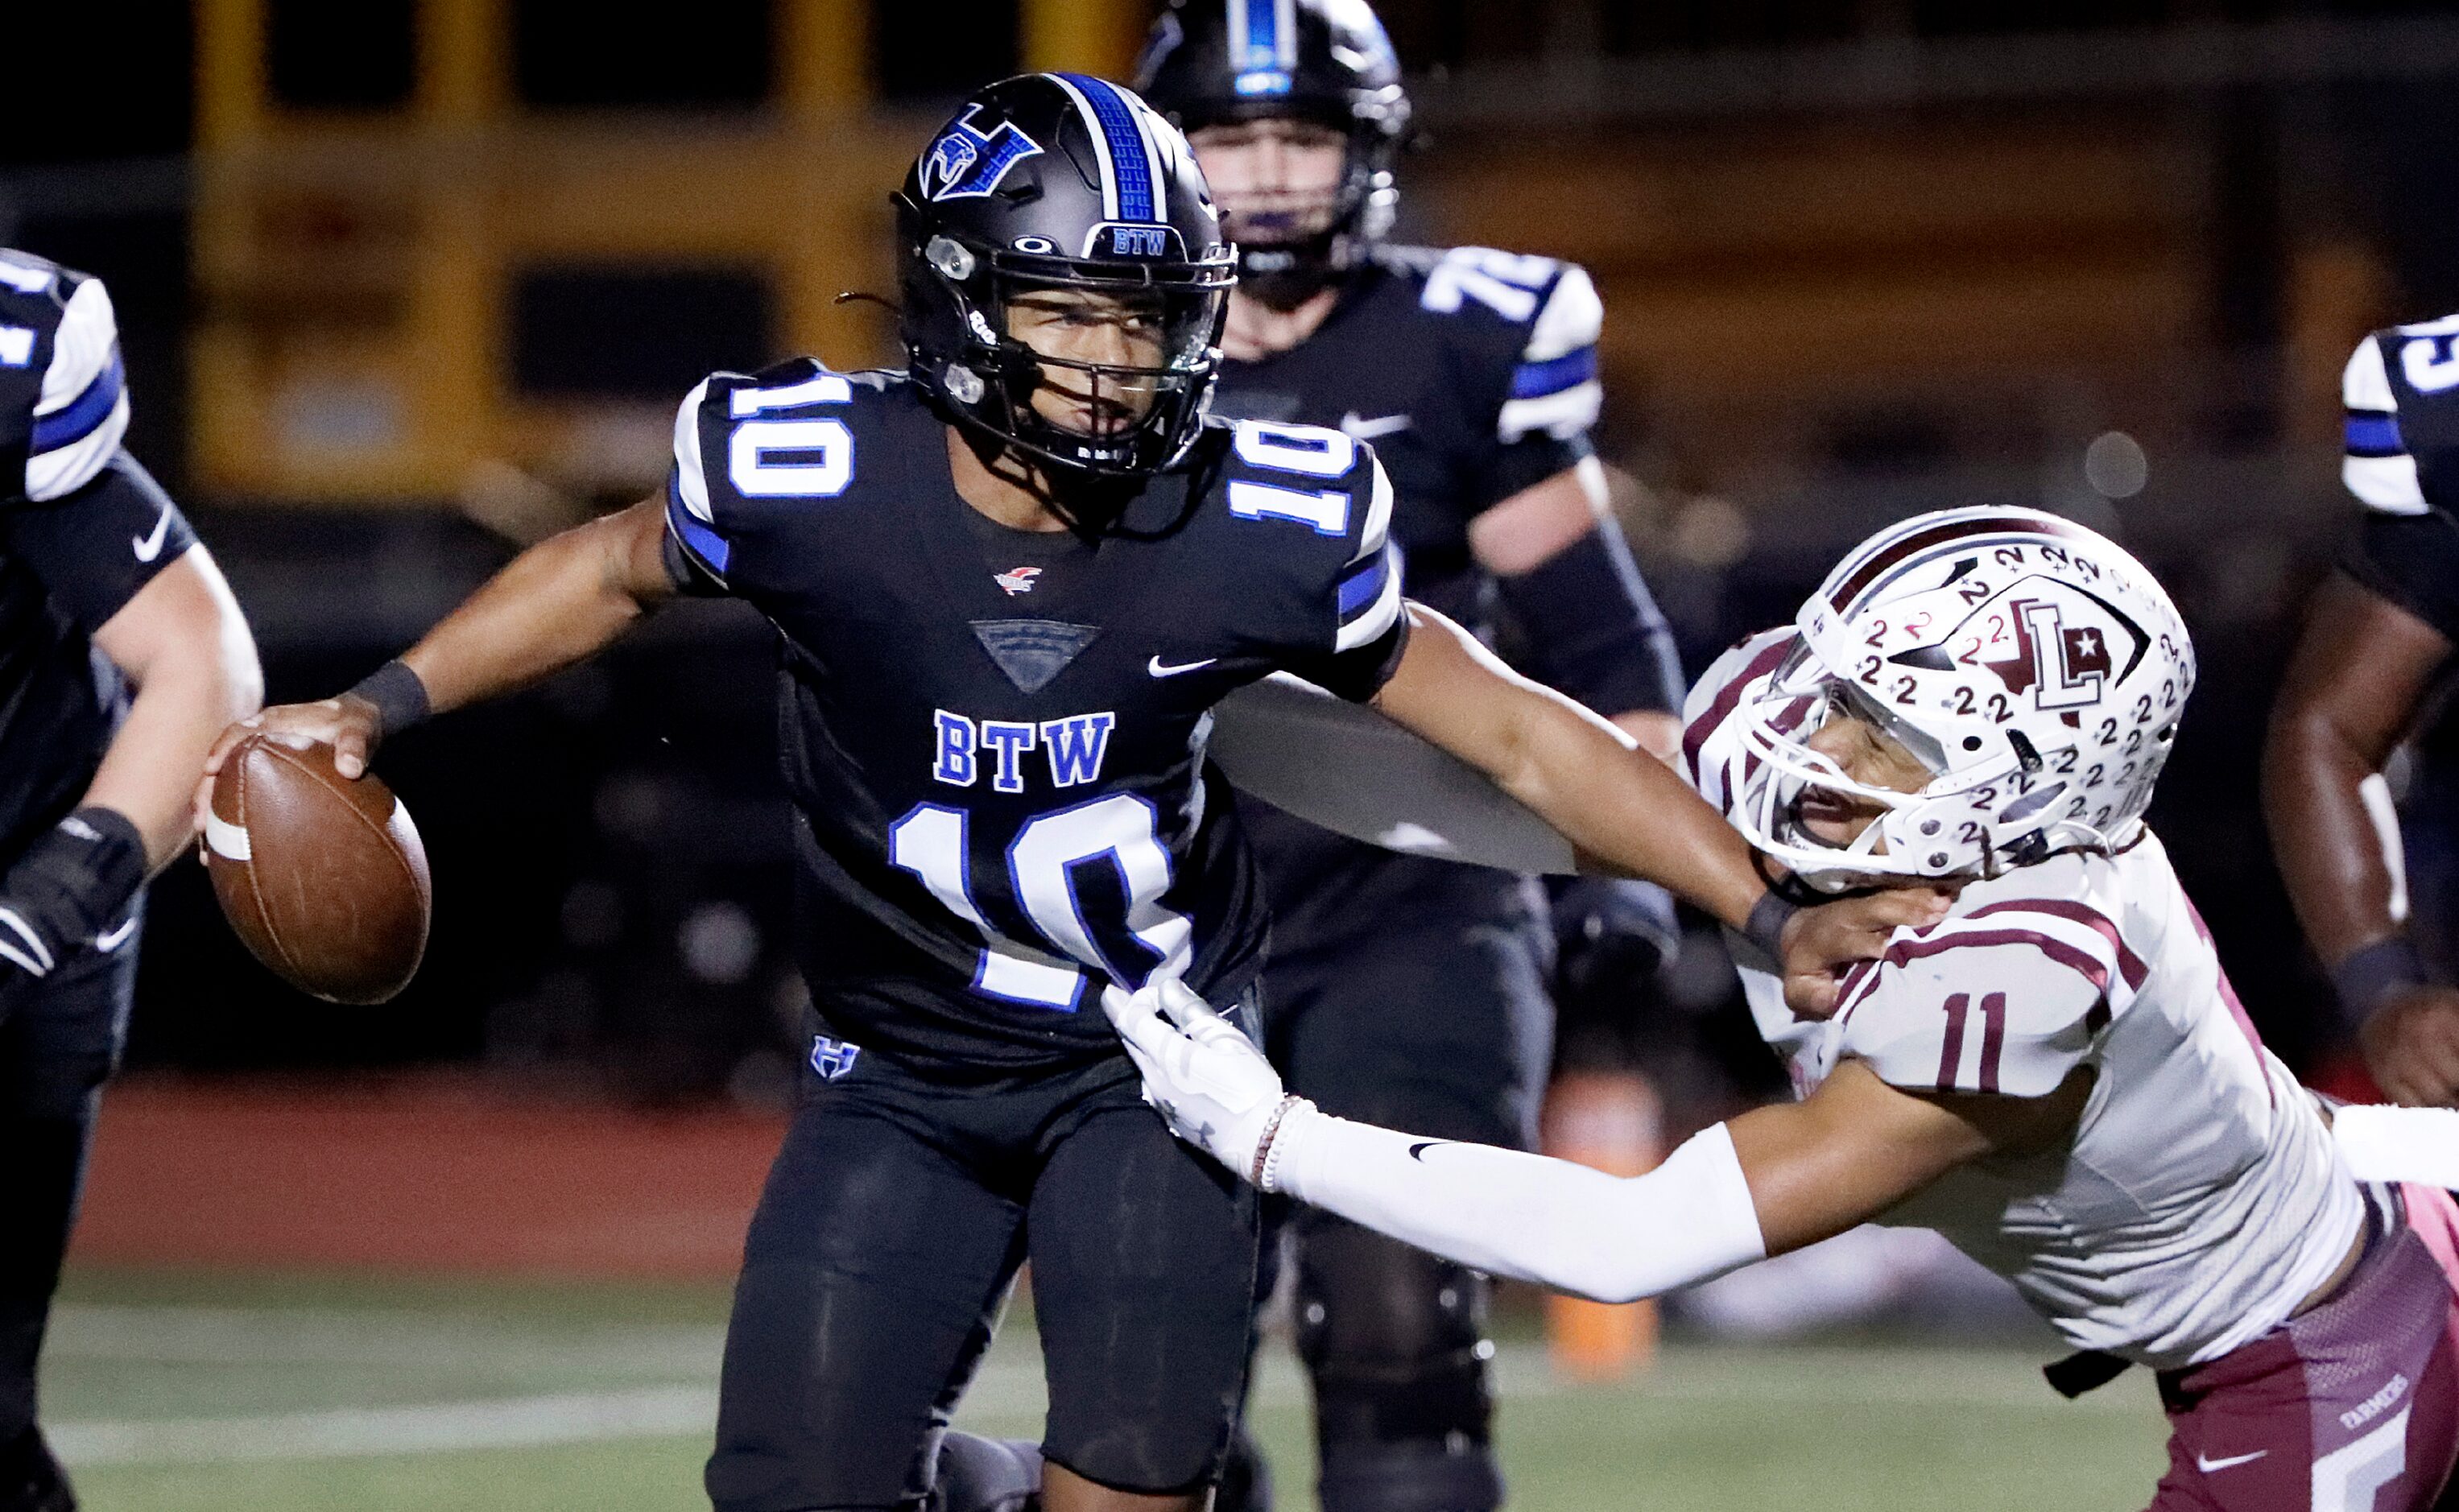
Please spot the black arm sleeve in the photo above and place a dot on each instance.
(2413, 561)
(95, 548)
(1590, 628)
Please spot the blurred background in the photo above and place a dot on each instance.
(406, 283)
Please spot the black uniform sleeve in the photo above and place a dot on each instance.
(2402, 392)
(1313, 509)
(94, 547)
(1552, 396)
(745, 448)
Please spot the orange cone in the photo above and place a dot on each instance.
(1611, 1121)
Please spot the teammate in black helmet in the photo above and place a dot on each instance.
(1405, 989)
(1009, 585)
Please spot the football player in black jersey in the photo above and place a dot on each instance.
(104, 592)
(1010, 583)
(1405, 990)
(2379, 638)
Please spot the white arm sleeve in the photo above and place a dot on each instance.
(2399, 1144)
(1527, 1216)
(1345, 767)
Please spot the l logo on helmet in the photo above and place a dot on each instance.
(967, 163)
(2063, 665)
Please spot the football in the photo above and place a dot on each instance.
(324, 879)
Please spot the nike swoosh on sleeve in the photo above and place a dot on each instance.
(1160, 668)
(2208, 1465)
(1418, 1152)
(148, 547)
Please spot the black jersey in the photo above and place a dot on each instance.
(1473, 373)
(81, 530)
(2402, 390)
(994, 740)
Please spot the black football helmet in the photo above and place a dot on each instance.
(1215, 62)
(1065, 185)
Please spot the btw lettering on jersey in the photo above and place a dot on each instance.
(1075, 747)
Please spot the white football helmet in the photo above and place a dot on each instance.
(2031, 664)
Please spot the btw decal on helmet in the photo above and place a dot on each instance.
(2031, 666)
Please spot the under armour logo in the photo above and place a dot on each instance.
(833, 1058)
(965, 161)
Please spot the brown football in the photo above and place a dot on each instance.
(324, 879)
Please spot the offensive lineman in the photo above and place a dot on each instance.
(103, 591)
(1010, 583)
(1405, 990)
(2381, 633)
(2057, 1076)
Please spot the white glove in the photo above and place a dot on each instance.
(1213, 1088)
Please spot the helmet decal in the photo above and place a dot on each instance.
(1131, 162)
(966, 162)
(1263, 45)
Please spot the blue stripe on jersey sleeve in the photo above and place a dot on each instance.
(2373, 436)
(1537, 379)
(1363, 583)
(697, 538)
(78, 418)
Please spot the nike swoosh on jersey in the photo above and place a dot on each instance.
(1160, 668)
(148, 547)
(2207, 1465)
(1418, 1152)
(1357, 427)
(118, 937)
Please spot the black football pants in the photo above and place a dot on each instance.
(60, 1039)
(894, 1219)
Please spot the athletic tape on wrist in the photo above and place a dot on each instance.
(2366, 979)
(400, 698)
(1765, 927)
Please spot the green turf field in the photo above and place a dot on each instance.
(199, 1394)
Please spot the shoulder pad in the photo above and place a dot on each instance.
(2401, 388)
(80, 410)
(1288, 475)
(2005, 997)
(743, 439)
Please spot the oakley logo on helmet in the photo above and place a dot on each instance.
(966, 162)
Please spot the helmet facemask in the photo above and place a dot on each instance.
(1297, 230)
(1090, 368)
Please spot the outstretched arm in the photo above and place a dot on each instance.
(558, 602)
(1774, 1179)
(1622, 807)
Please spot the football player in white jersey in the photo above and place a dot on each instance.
(2057, 1076)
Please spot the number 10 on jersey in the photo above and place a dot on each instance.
(1043, 865)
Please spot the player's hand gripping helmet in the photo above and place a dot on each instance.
(1055, 212)
(2032, 667)
(1219, 62)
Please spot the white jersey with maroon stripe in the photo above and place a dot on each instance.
(2200, 1199)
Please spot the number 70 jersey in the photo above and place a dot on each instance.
(994, 740)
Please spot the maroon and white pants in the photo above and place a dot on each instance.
(2351, 1406)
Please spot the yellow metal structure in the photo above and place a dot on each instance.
(354, 268)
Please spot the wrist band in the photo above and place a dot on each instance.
(400, 698)
(1765, 927)
(1261, 1166)
(2366, 977)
